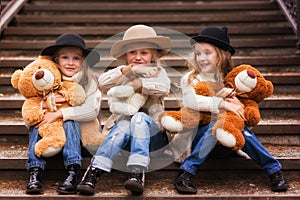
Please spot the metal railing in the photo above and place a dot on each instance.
(9, 12)
(291, 9)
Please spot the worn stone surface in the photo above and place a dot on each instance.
(160, 184)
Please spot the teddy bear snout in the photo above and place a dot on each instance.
(245, 81)
(43, 79)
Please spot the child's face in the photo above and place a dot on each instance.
(206, 57)
(139, 56)
(69, 60)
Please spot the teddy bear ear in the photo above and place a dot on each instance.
(15, 78)
(269, 90)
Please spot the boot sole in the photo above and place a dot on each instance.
(280, 189)
(66, 192)
(85, 189)
(182, 190)
(35, 191)
(134, 187)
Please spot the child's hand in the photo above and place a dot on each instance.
(59, 99)
(50, 117)
(145, 70)
(136, 84)
(233, 105)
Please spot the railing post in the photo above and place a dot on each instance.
(298, 26)
(9, 11)
(291, 9)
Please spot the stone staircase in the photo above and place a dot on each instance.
(262, 37)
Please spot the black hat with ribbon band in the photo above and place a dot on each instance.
(216, 36)
(71, 39)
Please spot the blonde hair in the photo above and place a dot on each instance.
(224, 64)
(87, 76)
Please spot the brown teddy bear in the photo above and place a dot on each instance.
(247, 84)
(40, 80)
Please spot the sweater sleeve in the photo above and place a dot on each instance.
(112, 78)
(198, 102)
(88, 110)
(157, 86)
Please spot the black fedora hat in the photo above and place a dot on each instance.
(216, 36)
(72, 39)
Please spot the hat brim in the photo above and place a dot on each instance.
(213, 41)
(162, 43)
(92, 56)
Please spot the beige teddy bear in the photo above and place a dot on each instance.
(41, 80)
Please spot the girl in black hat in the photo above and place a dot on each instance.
(212, 62)
(74, 61)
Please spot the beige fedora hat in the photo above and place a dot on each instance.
(140, 36)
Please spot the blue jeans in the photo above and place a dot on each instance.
(135, 131)
(207, 142)
(71, 150)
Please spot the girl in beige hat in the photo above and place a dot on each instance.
(141, 50)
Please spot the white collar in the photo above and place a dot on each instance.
(76, 77)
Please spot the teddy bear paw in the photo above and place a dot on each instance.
(225, 138)
(51, 151)
(170, 124)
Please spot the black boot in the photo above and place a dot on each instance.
(136, 179)
(184, 183)
(35, 185)
(278, 183)
(89, 180)
(70, 183)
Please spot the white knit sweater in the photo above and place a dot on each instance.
(199, 102)
(88, 111)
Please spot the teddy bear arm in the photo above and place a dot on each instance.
(252, 113)
(32, 111)
(183, 119)
(228, 130)
(73, 93)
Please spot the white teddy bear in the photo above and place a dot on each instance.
(123, 100)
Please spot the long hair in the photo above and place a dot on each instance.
(87, 76)
(224, 65)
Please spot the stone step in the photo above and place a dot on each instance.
(232, 178)
(246, 30)
(133, 6)
(156, 17)
(211, 184)
(284, 63)
(284, 82)
(13, 155)
(39, 43)
(173, 101)
(276, 130)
